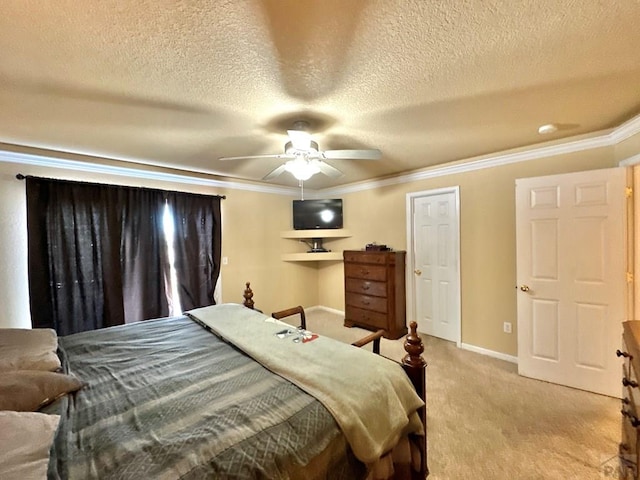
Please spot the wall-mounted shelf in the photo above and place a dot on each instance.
(300, 235)
(311, 257)
(325, 233)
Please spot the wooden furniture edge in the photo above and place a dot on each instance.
(373, 337)
(292, 311)
(413, 363)
(415, 367)
(248, 296)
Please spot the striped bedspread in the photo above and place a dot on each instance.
(167, 399)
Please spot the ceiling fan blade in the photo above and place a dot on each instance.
(249, 157)
(300, 140)
(353, 154)
(275, 172)
(328, 170)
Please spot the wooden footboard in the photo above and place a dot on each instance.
(416, 368)
(248, 296)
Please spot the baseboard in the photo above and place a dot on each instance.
(489, 353)
(464, 346)
(326, 309)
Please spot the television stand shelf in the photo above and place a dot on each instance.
(320, 234)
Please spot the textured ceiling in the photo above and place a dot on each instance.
(182, 83)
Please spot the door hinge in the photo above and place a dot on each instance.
(629, 277)
(628, 192)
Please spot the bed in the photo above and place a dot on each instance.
(192, 397)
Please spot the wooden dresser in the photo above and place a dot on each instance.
(630, 410)
(374, 291)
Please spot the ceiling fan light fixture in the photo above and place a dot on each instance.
(301, 169)
(300, 139)
(311, 149)
(303, 158)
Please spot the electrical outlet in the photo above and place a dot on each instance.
(506, 327)
(225, 260)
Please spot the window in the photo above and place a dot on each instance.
(103, 255)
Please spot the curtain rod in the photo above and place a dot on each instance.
(20, 176)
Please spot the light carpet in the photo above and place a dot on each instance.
(487, 422)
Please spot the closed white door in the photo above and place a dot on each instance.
(434, 264)
(571, 258)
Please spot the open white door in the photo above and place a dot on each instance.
(571, 273)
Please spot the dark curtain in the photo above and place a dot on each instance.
(143, 255)
(95, 254)
(197, 247)
(74, 256)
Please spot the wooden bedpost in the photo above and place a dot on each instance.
(416, 368)
(248, 296)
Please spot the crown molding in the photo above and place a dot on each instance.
(478, 164)
(575, 144)
(626, 130)
(602, 139)
(132, 172)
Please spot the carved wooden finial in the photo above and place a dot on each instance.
(414, 347)
(248, 296)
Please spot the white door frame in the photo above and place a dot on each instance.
(410, 277)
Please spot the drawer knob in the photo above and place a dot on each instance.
(632, 418)
(365, 302)
(623, 354)
(366, 287)
(629, 383)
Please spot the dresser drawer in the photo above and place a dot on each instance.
(630, 378)
(374, 291)
(630, 393)
(363, 257)
(379, 304)
(367, 317)
(366, 272)
(630, 354)
(629, 443)
(357, 285)
(630, 402)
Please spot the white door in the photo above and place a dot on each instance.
(434, 262)
(571, 258)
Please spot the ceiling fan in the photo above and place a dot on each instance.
(304, 158)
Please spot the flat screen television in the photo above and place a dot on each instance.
(317, 214)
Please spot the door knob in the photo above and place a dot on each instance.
(524, 288)
(417, 272)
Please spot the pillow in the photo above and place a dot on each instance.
(30, 390)
(28, 349)
(25, 440)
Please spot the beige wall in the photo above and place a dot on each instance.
(487, 227)
(628, 148)
(251, 241)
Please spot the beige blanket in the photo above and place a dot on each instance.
(370, 396)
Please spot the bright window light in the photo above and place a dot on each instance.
(172, 288)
